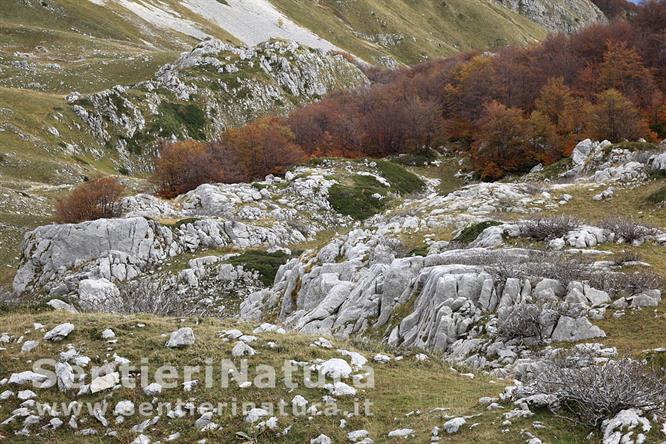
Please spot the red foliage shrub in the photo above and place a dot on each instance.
(96, 199)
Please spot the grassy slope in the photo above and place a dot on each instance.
(96, 46)
(438, 28)
(400, 386)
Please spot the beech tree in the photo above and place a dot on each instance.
(622, 69)
(501, 140)
(555, 101)
(615, 118)
(265, 146)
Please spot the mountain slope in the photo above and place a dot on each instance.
(406, 31)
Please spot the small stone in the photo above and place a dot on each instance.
(357, 435)
(141, 439)
(124, 408)
(108, 334)
(335, 368)
(26, 377)
(24, 395)
(382, 359)
(453, 425)
(181, 338)
(255, 415)
(105, 382)
(323, 343)
(401, 433)
(60, 332)
(321, 439)
(153, 389)
(29, 346)
(242, 349)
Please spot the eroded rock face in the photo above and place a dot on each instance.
(558, 15)
(57, 257)
(602, 162)
(99, 295)
(449, 296)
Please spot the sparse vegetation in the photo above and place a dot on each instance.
(546, 228)
(525, 323)
(627, 230)
(591, 393)
(420, 158)
(658, 197)
(154, 297)
(625, 284)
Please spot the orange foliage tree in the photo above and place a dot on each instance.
(501, 142)
(183, 166)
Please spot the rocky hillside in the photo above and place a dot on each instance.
(87, 86)
(214, 87)
(48, 142)
(558, 16)
(346, 266)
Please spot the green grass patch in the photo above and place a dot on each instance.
(420, 158)
(401, 180)
(357, 202)
(181, 120)
(556, 168)
(658, 197)
(634, 146)
(266, 264)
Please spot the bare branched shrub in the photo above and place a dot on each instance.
(546, 228)
(541, 265)
(625, 284)
(592, 393)
(627, 229)
(157, 297)
(525, 322)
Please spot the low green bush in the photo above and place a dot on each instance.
(470, 233)
(173, 118)
(266, 264)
